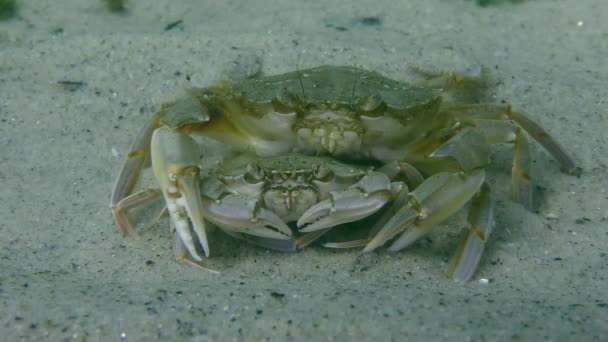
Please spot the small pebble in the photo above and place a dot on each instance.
(551, 216)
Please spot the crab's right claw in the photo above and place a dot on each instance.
(360, 200)
(175, 158)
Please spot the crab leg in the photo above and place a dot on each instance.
(127, 178)
(481, 219)
(121, 208)
(411, 174)
(282, 245)
(504, 112)
(358, 201)
(547, 141)
(175, 158)
(499, 124)
(395, 207)
(522, 189)
(437, 198)
(501, 131)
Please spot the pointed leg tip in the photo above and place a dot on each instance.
(196, 264)
(308, 229)
(460, 277)
(371, 246)
(196, 257)
(394, 248)
(206, 252)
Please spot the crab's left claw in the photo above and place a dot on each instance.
(175, 158)
(360, 200)
(241, 214)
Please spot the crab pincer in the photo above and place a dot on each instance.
(175, 159)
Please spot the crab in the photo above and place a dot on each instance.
(438, 146)
(262, 199)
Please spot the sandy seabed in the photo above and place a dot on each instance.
(67, 274)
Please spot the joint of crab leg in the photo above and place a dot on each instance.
(476, 112)
(402, 219)
(459, 148)
(481, 219)
(411, 174)
(567, 165)
(364, 198)
(522, 189)
(437, 198)
(128, 176)
(121, 209)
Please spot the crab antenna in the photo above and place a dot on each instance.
(300, 79)
(352, 95)
(317, 156)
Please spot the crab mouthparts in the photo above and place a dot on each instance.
(290, 203)
(330, 131)
(330, 138)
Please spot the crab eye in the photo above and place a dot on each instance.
(370, 105)
(285, 101)
(322, 173)
(254, 173)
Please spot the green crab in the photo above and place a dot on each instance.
(439, 148)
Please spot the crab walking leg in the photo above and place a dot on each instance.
(282, 245)
(522, 189)
(504, 112)
(390, 214)
(128, 176)
(394, 219)
(175, 158)
(360, 200)
(539, 134)
(501, 131)
(442, 194)
(481, 219)
(437, 198)
(138, 199)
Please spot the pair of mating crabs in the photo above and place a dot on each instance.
(328, 146)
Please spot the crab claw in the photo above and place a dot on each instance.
(360, 200)
(175, 158)
(242, 214)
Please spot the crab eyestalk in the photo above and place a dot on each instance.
(175, 158)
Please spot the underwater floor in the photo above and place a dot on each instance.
(77, 82)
